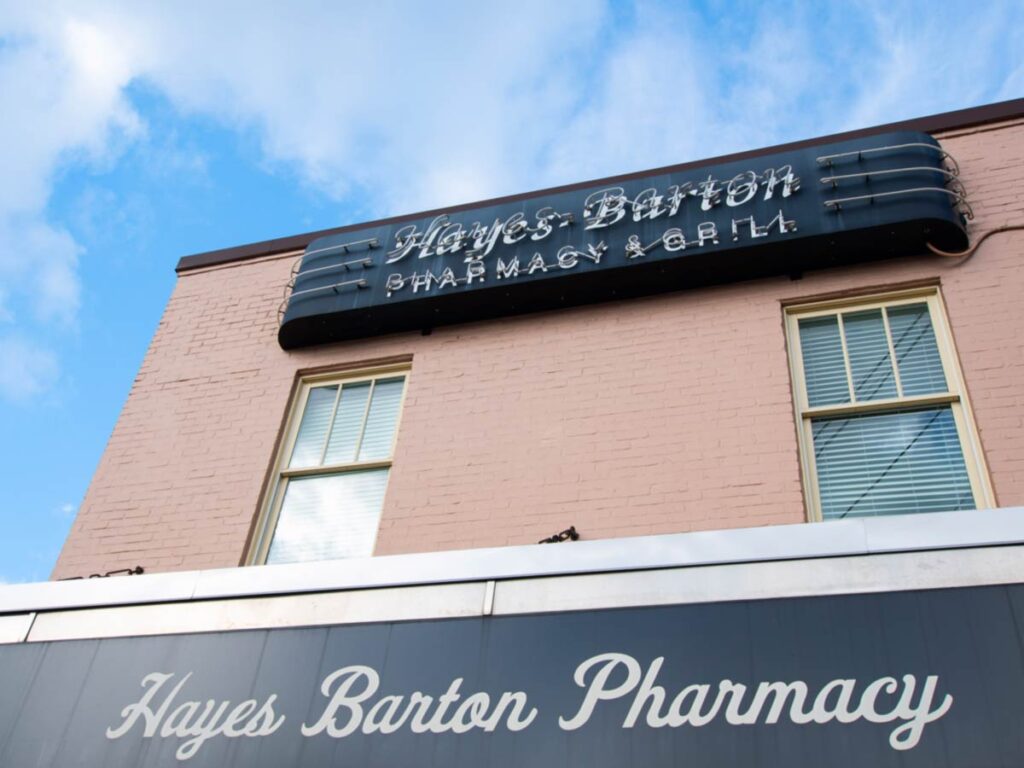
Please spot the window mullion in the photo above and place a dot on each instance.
(892, 352)
(333, 469)
(875, 406)
(846, 356)
(366, 417)
(330, 426)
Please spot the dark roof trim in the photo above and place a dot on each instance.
(961, 118)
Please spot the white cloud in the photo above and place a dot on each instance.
(38, 261)
(402, 105)
(62, 81)
(405, 105)
(921, 60)
(394, 107)
(646, 103)
(26, 369)
(62, 85)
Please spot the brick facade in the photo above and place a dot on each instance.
(656, 415)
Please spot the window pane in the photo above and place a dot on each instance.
(891, 463)
(329, 517)
(348, 423)
(380, 424)
(917, 354)
(868, 349)
(309, 444)
(824, 369)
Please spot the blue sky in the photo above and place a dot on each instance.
(136, 133)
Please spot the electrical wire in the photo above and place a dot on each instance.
(970, 251)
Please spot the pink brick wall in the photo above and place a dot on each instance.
(657, 415)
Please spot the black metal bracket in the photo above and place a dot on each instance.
(569, 534)
(138, 570)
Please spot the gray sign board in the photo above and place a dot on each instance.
(920, 678)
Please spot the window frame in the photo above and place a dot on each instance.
(281, 474)
(955, 395)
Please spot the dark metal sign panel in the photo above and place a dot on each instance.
(812, 208)
(929, 679)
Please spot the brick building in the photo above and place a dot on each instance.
(777, 396)
(657, 414)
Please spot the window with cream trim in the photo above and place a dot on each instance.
(884, 423)
(328, 488)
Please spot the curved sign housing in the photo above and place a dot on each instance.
(872, 198)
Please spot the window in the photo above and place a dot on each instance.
(884, 423)
(328, 488)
